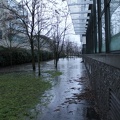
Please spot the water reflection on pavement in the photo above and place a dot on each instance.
(70, 96)
(68, 102)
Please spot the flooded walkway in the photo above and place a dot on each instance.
(70, 98)
(71, 93)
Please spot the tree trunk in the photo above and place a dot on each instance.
(56, 62)
(39, 72)
(33, 56)
(54, 57)
(11, 61)
(11, 57)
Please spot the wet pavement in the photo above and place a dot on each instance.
(70, 98)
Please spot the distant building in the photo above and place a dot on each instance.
(12, 31)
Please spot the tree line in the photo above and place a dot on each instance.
(40, 23)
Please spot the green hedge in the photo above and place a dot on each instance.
(19, 56)
(44, 55)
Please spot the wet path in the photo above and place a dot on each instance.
(71, 94)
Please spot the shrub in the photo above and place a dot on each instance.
(16, 56)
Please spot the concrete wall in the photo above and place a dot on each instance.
(104, 74)
(109, 59)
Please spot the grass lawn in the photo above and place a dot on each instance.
(18, 94)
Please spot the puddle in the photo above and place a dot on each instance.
(71, 93)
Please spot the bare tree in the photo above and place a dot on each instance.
(43, 23)
(12, 37)
(27, 12)
(12, 31)
(28, 24)
(58, 36)
(76, 50)
(68, 48)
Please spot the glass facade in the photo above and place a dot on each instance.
(103, 33)
(79, 10)
(101, 19)
(115, 25)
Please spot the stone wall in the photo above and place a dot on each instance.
(104, 78)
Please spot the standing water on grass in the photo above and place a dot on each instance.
(70, 96)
